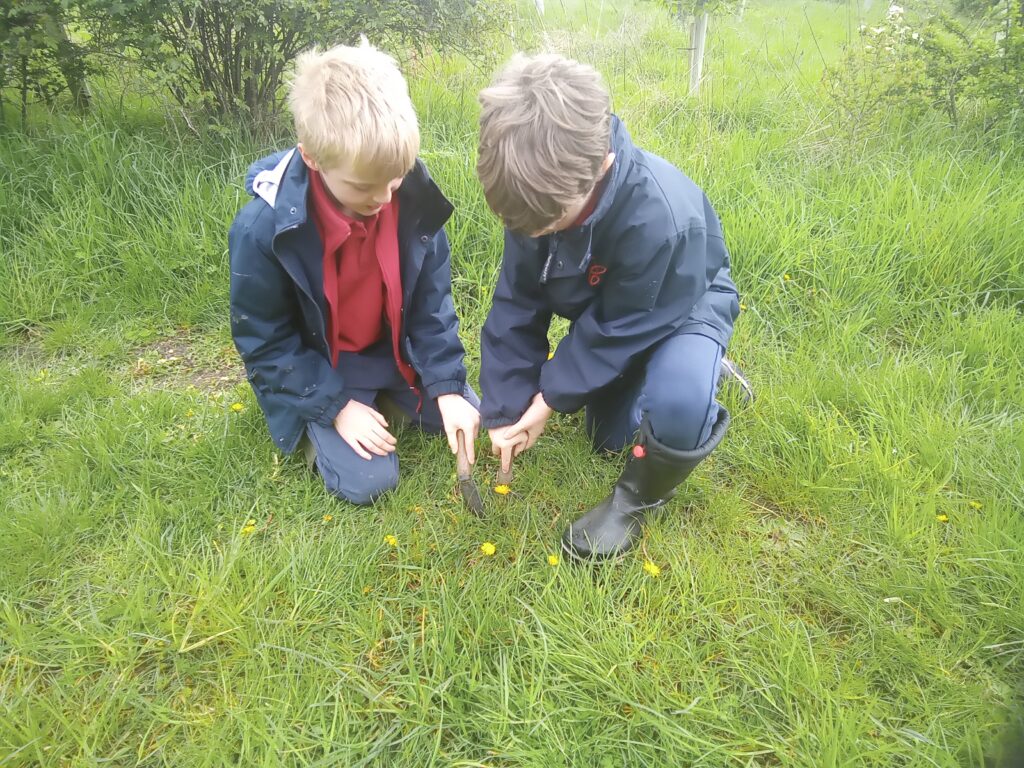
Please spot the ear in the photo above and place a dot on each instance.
(608, 160)
(309, 161)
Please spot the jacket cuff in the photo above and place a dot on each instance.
(562, 403)
(446, 387)
(331, 409)
(497, 421)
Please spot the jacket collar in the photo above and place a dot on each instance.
(621, 144)
(285, 187)
(576, 243)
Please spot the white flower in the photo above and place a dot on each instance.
(894, 10)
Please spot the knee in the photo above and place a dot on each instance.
(363, 485)
(680, 414)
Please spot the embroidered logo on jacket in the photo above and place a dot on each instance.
(595, 273)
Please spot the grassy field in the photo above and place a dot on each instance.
(841, 585)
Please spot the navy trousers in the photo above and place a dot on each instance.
(375, 381)
(673, 388)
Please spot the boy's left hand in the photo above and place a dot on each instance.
(459, 415)
(531, 424)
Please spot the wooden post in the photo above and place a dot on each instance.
(698, 39)
(24, 93)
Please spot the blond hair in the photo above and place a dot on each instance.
(351, 105)
(544, 133)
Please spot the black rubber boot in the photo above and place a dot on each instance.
(652, 473)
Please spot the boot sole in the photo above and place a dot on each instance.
(569, 552)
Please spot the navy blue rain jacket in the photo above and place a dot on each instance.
(648, 263)
(278, 305)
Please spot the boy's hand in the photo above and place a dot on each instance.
(506, 449)
(512, 440)
(365, 430)
(458, 415)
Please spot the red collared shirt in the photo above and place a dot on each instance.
(362, 278)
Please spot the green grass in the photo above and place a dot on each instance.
(813, 609)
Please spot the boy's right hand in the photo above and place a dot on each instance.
(506, 449)
(365, 430)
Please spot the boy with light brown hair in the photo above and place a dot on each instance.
(627, 248)
(341, 303)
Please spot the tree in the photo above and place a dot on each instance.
(37, 50)
(228, 58)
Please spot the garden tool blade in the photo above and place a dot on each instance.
(470, 493)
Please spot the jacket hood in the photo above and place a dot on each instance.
(263, 179)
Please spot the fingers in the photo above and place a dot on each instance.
(372, 443)
(382, 435)
(378, 416)
(512, 433)
(521, 445)
(506, 458)
(453, 438)
(357, 448)
(374, 447)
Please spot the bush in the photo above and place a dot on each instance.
(969, 74)
(228, 58)
(38, 55)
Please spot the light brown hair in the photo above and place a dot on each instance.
(544, 133)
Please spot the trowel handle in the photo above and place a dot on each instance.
(461, 457)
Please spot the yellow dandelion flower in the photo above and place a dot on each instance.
(743, 307)
(652, 569)
(237, 407)
(366, 590)
(328, 518)
(942, 518)
(502, 490)
(488, 549)
(391, 541)
(787, 278)
(974, 504)
(552, 559)
(247, 529)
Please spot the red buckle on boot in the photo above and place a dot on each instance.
(639, 451)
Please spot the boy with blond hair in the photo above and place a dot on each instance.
(627, 248)
(341, 302)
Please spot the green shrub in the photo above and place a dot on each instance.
(229, 58)
(38, 56)
(969, 72)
